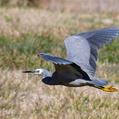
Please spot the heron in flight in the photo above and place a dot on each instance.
(79, 68)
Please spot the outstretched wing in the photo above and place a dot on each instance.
(54, 59)
(66, 70)
(82, 48)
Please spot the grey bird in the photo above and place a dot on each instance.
(79, 68)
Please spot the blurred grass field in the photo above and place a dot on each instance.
(24, 97)
(26, 31)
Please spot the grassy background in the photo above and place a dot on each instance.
(22, 52)
(66, 5)
(24, 97)
(25, 31)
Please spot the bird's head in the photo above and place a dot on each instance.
(42, 72)
(34, 71)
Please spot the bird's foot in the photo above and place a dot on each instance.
(109, 89)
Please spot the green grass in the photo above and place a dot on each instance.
(110, 53)
(22, 52)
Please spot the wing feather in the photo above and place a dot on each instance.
(83, 48)
(65, 70)
(54, 59)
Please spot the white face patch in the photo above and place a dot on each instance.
(38, 71)
(78, 82)
(43, 72)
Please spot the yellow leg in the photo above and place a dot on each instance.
(109, 89)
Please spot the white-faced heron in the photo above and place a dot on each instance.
(78, 69)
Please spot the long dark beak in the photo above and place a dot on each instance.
(28, 71)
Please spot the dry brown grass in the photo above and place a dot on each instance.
(23, 97)
(90, 6)
(17, 22)
(66, 5)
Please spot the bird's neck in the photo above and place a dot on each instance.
(46, 73)
(47, 78)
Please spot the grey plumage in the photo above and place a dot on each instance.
(85, 46)
(64, 67)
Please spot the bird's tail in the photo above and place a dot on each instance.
(102, 84)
